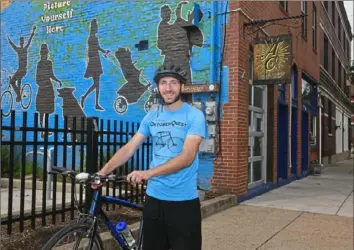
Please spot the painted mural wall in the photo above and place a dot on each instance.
(97, 58)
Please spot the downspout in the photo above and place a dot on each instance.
(320, 131)
(213, 34)
(290, 116)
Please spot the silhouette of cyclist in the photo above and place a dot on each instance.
(21, 51)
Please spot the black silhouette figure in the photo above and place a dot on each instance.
(45, 101)
(94, 66)
(132, 89)
(72, 109)
(21, 72)
(176, 40)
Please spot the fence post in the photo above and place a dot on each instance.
(92, 153)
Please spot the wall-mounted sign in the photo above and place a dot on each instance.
(272, 60)
(199, 88)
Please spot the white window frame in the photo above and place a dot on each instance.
(252, 133)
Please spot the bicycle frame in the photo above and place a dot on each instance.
(96, 209)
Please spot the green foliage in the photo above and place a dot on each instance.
(17, 166)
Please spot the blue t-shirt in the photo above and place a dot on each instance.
(169, 130)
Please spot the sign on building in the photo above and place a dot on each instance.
(272, 60)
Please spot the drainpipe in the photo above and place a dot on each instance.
(213, 33)
(290, 116)
(320, 131)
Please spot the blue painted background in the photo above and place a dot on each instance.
(121, 24)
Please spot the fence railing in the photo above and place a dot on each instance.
(30, 147)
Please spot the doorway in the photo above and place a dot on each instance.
(283, 135)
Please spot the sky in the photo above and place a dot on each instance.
(349, 7)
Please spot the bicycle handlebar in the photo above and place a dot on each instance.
(86, 177)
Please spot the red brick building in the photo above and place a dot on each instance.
(275, 144)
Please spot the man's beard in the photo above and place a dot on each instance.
(178, 97)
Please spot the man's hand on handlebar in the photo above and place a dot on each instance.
(137, 177)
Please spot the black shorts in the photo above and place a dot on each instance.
(172, 225)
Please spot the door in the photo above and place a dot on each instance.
(282, 142)
(345, 134)
(339, 127)
(304, 141)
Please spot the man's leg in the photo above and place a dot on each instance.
(184, 224)
(13, 81)
(154, 232)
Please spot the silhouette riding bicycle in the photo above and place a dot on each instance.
(7, 98)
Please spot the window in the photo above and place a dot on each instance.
(304, 18)
(313, 130)
(326, 5)
(333, 65)
(284, 5)
(329, 117)
(314, 37)
(339, 29)
(333, 13)
(325, 53)
(340, 75)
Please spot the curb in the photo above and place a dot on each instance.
(208, 208)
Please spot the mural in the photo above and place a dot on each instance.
(45, 101)
(83, 58)
(94, 67)
(177, 39)
(132, 90)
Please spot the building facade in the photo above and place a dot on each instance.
(276, 144)
(90, 59)
(335, 109)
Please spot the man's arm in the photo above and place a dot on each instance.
(123, 154)
(184, 159)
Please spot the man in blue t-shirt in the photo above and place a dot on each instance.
(172, 217)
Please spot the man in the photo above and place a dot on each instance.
(21, 72)
(172, 217)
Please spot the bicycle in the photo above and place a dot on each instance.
(88, 223)
(7, 99)
(174, 144)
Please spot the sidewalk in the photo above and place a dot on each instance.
(249, 228)
(312, 213)
(329, 193)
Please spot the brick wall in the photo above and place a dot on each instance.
(138, 41)
(231, 171)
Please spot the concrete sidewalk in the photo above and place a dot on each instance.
(250, 228)
(329, 193)
(312, 213)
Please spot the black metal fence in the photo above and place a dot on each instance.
(30, 146)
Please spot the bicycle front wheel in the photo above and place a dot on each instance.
(73, 237)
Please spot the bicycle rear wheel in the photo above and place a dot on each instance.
(59, 241)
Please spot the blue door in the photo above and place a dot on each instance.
(304, 141)
(293, 140)
(282, 142)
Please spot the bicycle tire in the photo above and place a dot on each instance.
(71, 229)
(6, 95)
(29, 93)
